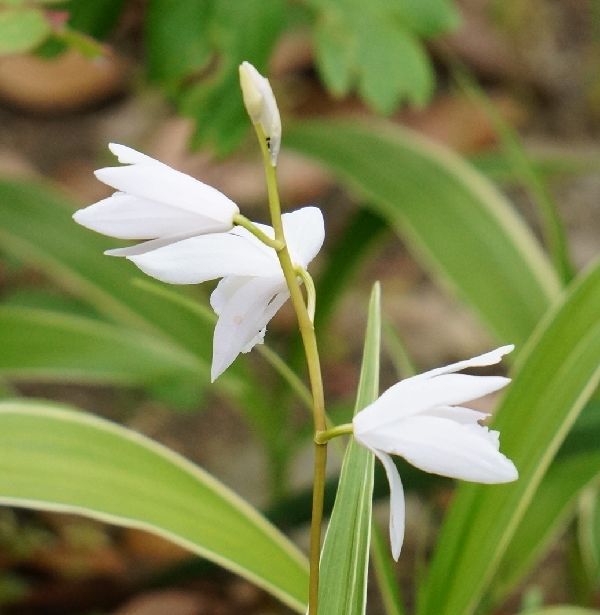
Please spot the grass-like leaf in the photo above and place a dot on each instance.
(555, 375)
(45, 345)
(52, 458)
(345, 555)
(462, 227)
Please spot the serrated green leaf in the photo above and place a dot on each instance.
(396, 68)
(459, 225)
(555, 375)
(52, 458)
(44, 345)
(376, 47)
(345, 555)
(335, 47)
(22, 30)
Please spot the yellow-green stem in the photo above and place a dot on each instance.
(311, 292)
(321, 437)
(309, 340)
(241, 220)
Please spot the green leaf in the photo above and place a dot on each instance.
(385, 82)
(44, 345)
(364, 233)
(588, 532)
(239, 31)
(463, 229)
(495, 165)
(52, 458)
(345, 555)
(555, 375)
(385, 573)
(335, 48)
(377, 48)
(563, 610)
(22, 30)
(554, 504)
(428, 17)
(178, 40)
(94, 17)
(73, 258)
(552, 227)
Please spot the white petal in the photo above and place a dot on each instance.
(245, 308)
(207, 257)
(418, 395)
(128, 155)
(445, 447)
(148, 246)
(397, 507)
(158, 182)
(489, 358)
(304, 231)
(267, 230)
(130, 217)
(466, 416)
(225, 290)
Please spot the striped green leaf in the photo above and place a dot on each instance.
(345, 555)
(553, 506)
(53, 458)
(564, 610)
(463, 229)
(45, 345)
(555, 375)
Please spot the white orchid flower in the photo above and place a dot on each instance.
(253, 287)
(154, 202)
(261, 106)
(421, 419)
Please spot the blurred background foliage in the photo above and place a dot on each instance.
(453, 148)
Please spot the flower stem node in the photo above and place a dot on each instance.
(322, 437)
(262, 107)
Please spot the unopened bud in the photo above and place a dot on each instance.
(261, 106)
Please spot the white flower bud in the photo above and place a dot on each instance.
(261, 106)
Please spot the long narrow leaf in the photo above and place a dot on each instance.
(463, 228)
(384, 572)
(557, 373)
(44, 345)
(52, 458)
(564, 610)
(554, 504)
(36, 227)
(345, 556)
